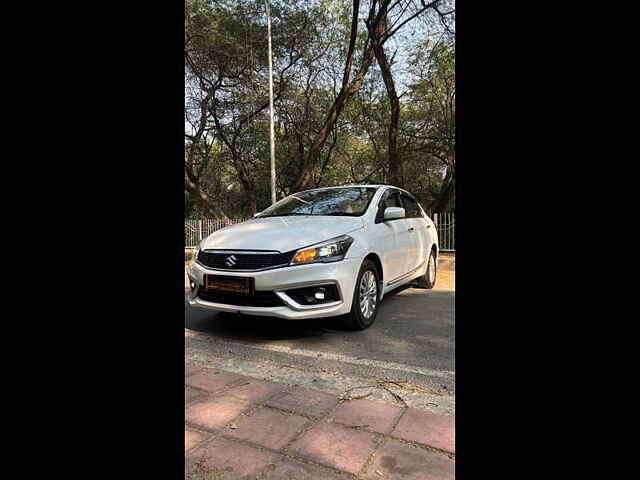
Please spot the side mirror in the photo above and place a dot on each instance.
(391, 213)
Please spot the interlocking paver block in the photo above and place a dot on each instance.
(256, 391)
(215, 412)
(336, 446)
(228, 460)
(397, 460)
(306, 401)
(292, 470)
(192, 438)
(213, 380)
(192, 395)
(269, 428)
(191, 369)
(427, 428)
(376, 416)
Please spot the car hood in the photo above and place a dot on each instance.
(280, 233)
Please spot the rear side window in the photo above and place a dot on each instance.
(410, 206)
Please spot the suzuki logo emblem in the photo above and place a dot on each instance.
(231, 261)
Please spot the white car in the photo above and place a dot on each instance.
(319, 253)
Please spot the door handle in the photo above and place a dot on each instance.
(411, 229)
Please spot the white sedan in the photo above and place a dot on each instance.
(319, 253)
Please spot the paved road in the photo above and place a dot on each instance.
(411, 342)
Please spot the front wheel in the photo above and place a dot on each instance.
(428, 280)
(364, 307)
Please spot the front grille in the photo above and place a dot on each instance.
(243, 261)
(258, 299)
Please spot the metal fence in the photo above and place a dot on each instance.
(446, 225)
(197, 229)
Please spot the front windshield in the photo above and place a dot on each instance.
(348, 201)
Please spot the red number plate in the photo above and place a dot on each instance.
(223, 283)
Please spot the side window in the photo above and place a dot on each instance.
(391, 198)
(411, 207)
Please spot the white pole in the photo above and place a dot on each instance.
(271, 130)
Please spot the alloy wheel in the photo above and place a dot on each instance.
(432, 269)
(368, 294)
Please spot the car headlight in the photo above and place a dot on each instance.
(194, 253)
(330, 251)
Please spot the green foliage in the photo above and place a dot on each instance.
(226, 52)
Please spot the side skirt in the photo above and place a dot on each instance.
(405, 276)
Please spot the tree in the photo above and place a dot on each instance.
(431, 126)
(360, 89)
(350, 85)
(228, 83)
(394, 18)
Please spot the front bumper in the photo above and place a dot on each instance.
(343, 274)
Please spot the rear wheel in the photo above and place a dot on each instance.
(428, 280)
(364, 307)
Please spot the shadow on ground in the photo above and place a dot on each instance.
(413, 326)
(252, 327)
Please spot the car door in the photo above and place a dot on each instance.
(392, 237)
(431, 232)
(417, 232)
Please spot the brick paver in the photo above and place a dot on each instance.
(293, 470)
(215, 412)
(429, 429)
(376, 416)
(214, 380)
(256, 391)
(336, 446)
(192, 438)
(268, 428)
(306, 401)
(407, 462)
(237, 424)
(192, 395)
(228, 460)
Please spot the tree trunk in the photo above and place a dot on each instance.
(446, 195)
(252, 202)
(305, 178)
(395, 163)
(248, 185)
(379, 34)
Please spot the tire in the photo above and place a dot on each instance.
(358, 319)
(428, 280)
